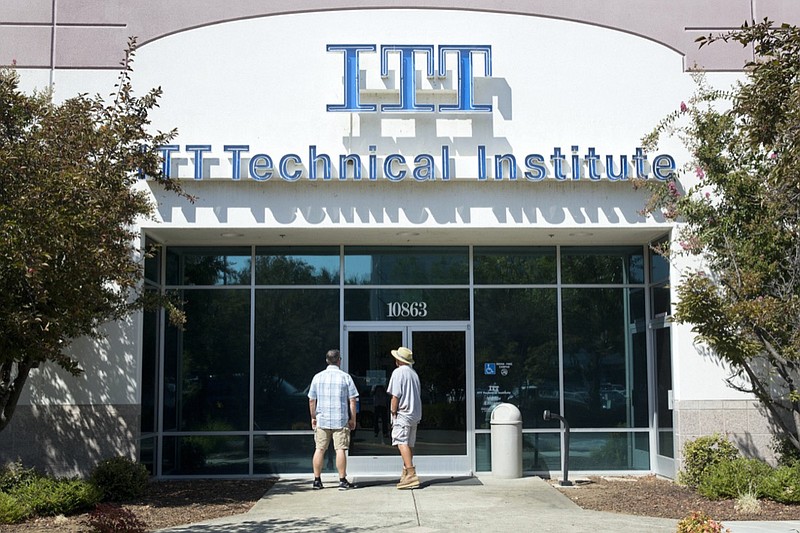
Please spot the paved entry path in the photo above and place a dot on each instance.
(484, 504)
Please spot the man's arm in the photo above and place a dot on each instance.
(394, 405)
(312, 407)
(352, 422)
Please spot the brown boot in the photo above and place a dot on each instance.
(402, 477)
(409, 479)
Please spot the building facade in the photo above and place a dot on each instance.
(458, 179)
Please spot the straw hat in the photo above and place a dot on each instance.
(404, 355)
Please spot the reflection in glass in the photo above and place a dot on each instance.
(659, 265)
(288, 454)
(666, 446)
(601, 359)
(517, 265)
(441, 364)
(149, 370)
(660, 297)
(205, 455)
(370, 363)
(516, 353)
(207, 365)
(152, 261)
(541, 452)
(290, 345)
(147, 454)
(208, 266)
(406, 265)
(602, 265)
(297, 266)
(609, 451)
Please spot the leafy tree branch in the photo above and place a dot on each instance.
(740, 218)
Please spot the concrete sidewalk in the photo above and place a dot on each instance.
(440, 504)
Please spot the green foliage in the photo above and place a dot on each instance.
(783, 484)
(699, 522)
(120, 478)
(739, 204)
(730, 479)
(107, 518)
(700, 454)
(15, 474)
(46, 496)
(12, 510)
(69, 201)
(785, 451)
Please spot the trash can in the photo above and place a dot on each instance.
(506, 422)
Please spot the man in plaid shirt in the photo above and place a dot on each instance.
(331, 392)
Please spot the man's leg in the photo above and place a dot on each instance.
(341, 463)
(407, 453)
(317, 461)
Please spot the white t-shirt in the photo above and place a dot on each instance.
(404, 384)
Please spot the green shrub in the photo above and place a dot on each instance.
(729, 479)
(107, 518)
(14, 474)
(120, 479)
(46, 496)
(11, 509)
(785, 451)
(699, 522)
(783, 484)
(702, 453)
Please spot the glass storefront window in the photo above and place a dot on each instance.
(601, 359)
(514, 265)
(152, 261)
(659, 265)
(297, 266)
(212, 406)
(406, 304)
(516, 353)
(602, 265)
(207, 364)
(406, 265)
(660, 295)
(208, 266)
(541, 452)
(207, 455)
(149, 370)
(147, 454)
(294, 328)
(660, 285)
(609, 451)
(288, 454)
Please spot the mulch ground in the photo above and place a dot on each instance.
(653, 496)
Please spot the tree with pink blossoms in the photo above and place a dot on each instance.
(739, 214)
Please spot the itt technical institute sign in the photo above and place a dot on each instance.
(466, 62)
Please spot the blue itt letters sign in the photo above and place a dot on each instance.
(407, 73)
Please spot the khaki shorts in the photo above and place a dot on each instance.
(340, 437)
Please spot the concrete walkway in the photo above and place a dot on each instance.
(483, 504)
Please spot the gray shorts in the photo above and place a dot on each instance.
(402, 434)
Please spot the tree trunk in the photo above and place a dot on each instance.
(11, 388)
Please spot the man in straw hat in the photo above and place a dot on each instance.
(331, 392)
(406, 412)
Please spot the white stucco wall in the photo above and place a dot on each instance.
(266, 82)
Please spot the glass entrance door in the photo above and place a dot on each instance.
(665, 435)
(440, 355)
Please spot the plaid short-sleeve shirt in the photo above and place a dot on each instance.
(332, 389)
